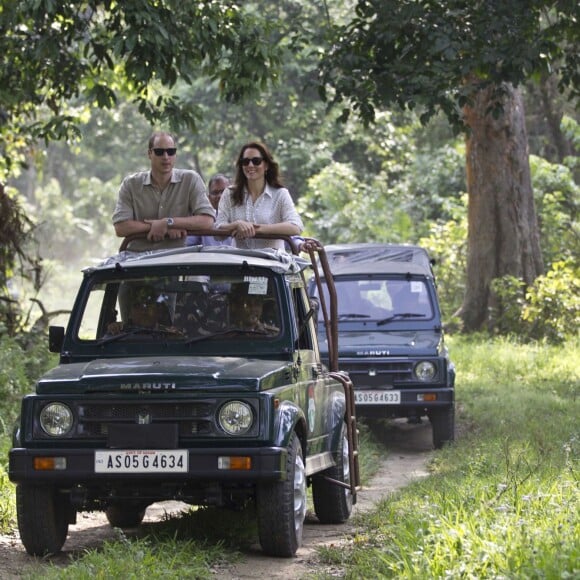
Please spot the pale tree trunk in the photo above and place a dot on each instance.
(503, 233)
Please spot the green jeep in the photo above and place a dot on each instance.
(194, 375)
(391, 336)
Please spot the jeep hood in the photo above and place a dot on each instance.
(393, 343)
(160, 374)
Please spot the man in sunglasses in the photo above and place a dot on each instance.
(162, 203)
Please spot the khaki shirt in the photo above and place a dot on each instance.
(138, 199)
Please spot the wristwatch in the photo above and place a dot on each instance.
(170, 222)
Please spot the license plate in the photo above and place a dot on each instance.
(377, 397)
(142, 461)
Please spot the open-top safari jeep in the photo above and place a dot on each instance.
(191, 374)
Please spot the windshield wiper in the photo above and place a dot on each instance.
(136, 330)
(233, 331)
(400, 315)
(352, 315)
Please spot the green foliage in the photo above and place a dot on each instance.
(438, 55)
(557, 199)
(7, 503)
(503, 500)
(53, 52)
(549, 310)
(437, 182)
(20, 366)
(15, 228)
(447, 245)
(553, 303)
(386, 188)
(510, 297)
(341, 208)
(81, 221)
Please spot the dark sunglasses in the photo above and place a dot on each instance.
(254, 160)
(159, 151)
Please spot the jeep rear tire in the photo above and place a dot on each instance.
(43, 517)
(333, 503)
(125, 516)
(443, 424)
(281, 506)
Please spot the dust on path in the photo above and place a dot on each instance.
(409, 451)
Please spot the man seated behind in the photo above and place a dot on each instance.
(246, 313)
(149, 310)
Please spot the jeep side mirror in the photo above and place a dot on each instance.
(55, 338)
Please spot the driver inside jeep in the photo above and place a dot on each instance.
(247, 313)
(148, 309)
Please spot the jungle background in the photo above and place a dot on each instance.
(453, 125)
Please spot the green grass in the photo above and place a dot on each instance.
(136, 559)
(503, 502)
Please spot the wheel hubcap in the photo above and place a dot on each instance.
(346, 468)
(299, 497)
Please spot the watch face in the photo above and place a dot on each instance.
(169, 221)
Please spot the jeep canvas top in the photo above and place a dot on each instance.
(391, 339)
(190, 374)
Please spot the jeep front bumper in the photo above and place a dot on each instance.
(68, 467)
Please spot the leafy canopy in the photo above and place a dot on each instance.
(94, 50)
(437, 54)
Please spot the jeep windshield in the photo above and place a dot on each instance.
(380, 301)
(183, 306)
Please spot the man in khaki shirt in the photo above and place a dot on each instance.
(164, 202)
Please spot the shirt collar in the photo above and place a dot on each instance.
(174, 178)
(268, 190)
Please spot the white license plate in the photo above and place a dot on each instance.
(377, 397)
(142, 461)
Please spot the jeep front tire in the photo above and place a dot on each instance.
(43, 518)
(443, 424)
(281, 506)
(332, 502)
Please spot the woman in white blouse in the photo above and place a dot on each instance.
(257, 201)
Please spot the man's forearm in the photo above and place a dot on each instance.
(129, 227)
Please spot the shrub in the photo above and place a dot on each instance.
(505, 317)
(552, 308)
(557, 199)
(548, 310)
(19, 368)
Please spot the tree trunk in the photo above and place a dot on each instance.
(503, 236)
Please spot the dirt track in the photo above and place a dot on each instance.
(409, 450)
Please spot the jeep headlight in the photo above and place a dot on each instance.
(425, 370)
(56, 419)
(236, 417)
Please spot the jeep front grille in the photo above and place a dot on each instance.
(192, 418)
(378, 373)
